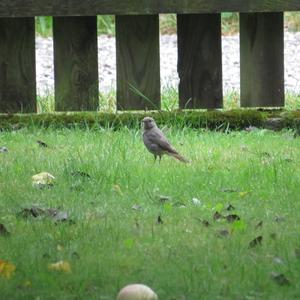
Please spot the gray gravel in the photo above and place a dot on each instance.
(168, 45)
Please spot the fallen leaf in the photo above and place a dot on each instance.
(42, 180)
(7, 269)
(3, 149)
(230, 207)
(196, 201)
(117, 189)
(259, 225)
(243, 194)
(62, 265)
(278, 260)
(256, 242)
(159, 220)
(60, 216)
(137, 207)
(232, 218)
(267, 154)
(59, 248)
(55, 214)
(223, 233)
(3, 230)
(280, 279)
(217, 216)
(31, 212)
(205, 223)
(179, 204)
(229, 190)
(42, 144)
(75, 255)
(80, 174)
(164, 199)
(279, 219)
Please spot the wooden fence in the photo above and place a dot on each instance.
(137, 55)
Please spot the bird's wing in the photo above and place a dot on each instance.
(157, 137)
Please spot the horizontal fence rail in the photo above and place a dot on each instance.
(31, 8)
(137, 53)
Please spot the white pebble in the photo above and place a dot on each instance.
(136, 292)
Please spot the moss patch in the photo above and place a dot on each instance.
(214, 119)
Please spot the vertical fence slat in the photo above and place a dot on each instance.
(200, 60)
(138, 65)
(262, 59)
(75, 63)
(17, 65)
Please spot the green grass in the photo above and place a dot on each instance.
(111, 244)
(169, 101)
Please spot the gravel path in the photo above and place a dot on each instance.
(107, 65)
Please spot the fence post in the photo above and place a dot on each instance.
(262, 59)
(75, 63)
(17, 65)
(200, 60)
(138, 64)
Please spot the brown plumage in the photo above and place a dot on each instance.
(156, 142)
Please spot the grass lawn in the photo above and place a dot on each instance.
(114, 237)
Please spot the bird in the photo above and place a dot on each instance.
(156, 142)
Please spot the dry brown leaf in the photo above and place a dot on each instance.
(256, 242)
(7, 269)
(62, 265)
(3, 230)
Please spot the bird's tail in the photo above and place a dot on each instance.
(179, 157)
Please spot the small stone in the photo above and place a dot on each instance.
(136, 292)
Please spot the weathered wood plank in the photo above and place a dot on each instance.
(138, 65)
(19, 8)
(17, 65)
(262, 59)
(199, 60)
(75, 63)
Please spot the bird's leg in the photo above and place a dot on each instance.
(159, 158)
(155, 156)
